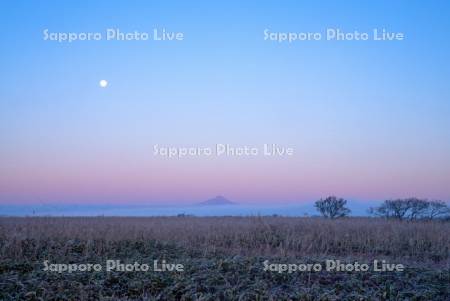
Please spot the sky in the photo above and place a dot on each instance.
(367, 120)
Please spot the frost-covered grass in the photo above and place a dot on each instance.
(223, 258)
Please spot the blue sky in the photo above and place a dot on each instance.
(368, 120)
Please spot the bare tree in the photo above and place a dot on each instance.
(392, 209)
(417, 208)
(437, 209)
(411, 208)
(332, 207)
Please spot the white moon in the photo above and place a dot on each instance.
(103, 83)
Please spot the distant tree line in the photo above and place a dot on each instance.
(412, 209)
(400, 209)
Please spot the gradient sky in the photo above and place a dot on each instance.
(368, 120)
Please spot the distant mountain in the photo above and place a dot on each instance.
(218, 200)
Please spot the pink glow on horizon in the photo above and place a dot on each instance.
(185, 181)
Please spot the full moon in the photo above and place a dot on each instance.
(103, 83)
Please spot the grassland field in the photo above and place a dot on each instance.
(222, 258)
